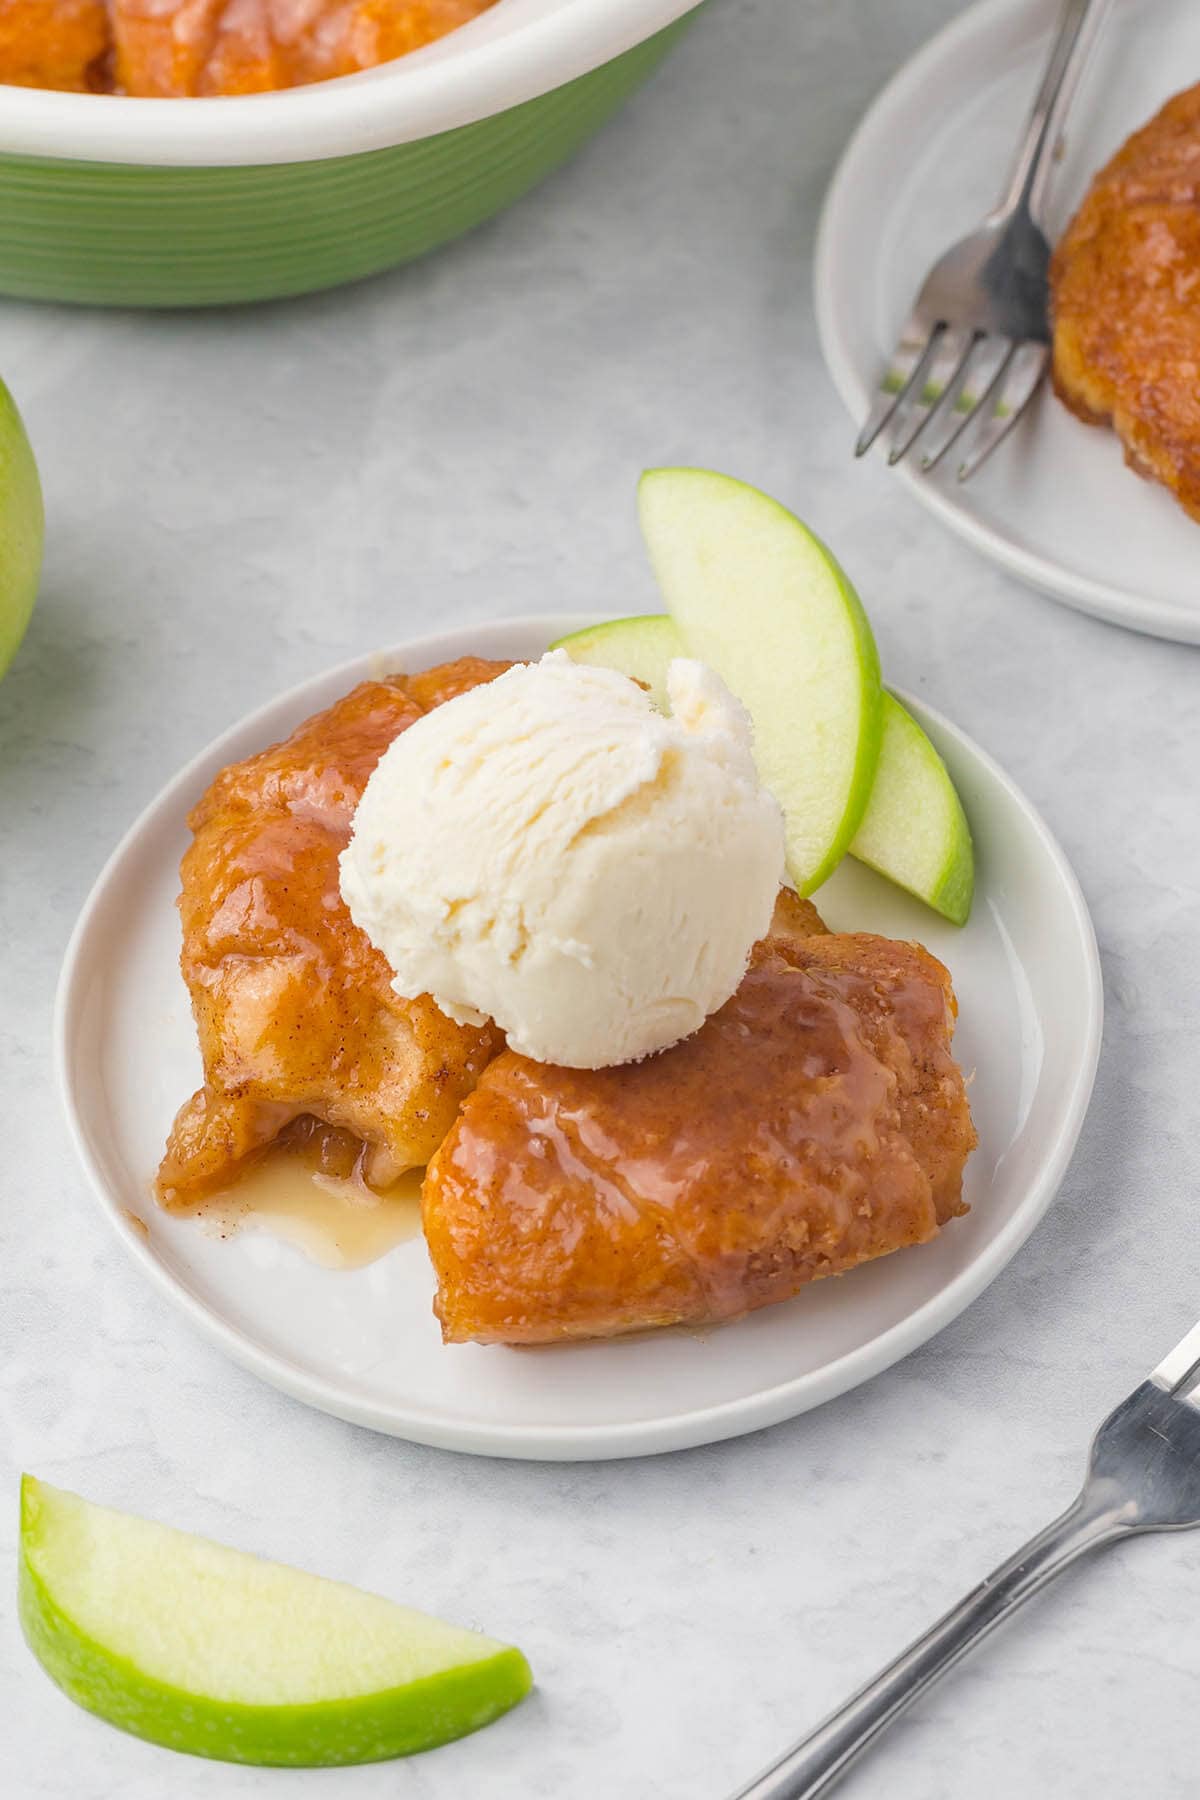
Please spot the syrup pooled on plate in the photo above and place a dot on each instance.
(308, 1189)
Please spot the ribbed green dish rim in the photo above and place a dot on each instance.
(118, 235)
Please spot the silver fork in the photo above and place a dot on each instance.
(1143, 1475)
(977, 342)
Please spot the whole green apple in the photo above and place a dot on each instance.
(21, 529)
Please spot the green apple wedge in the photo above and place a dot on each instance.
(641, 648)
(914, 830)
(760, 599)
(22, 526)
(214, 1652)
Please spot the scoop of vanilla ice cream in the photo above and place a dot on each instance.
(551, 852)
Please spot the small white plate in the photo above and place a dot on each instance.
(365, 1345)
(1055, 506)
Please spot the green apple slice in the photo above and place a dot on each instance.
(759, 599)
(21, 529)
(642, 648)
(914, 830)
(212, 1651)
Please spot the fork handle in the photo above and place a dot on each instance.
(1078, 25)
(812, 1766)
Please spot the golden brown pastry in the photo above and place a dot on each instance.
(251, 46)
(177, 48)
(54, 43)
(818, 1120)
(293, 1005)
(1125, 286)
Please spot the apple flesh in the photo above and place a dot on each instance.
(642, 648)
(21, 529)
(211, 1651)
(759, 599)
(914, 830)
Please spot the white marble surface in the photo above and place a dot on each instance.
(236, 501)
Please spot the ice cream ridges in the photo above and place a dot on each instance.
(552, 852)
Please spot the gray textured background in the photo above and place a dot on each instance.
(237, 501)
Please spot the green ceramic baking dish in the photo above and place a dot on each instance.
(112, 201)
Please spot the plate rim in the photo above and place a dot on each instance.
(559, 1442)
(1116, 605)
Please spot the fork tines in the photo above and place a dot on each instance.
(953, 386)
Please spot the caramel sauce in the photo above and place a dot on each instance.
(309, 1190)
(178, 48)
(294, 1007)
(1126, 323)
(814, 1122)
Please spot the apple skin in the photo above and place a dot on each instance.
(362, 1728)
(695, 522)
(22, 529)
(914, 831)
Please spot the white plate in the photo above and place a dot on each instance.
(365, 1345)
(1055, 506)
